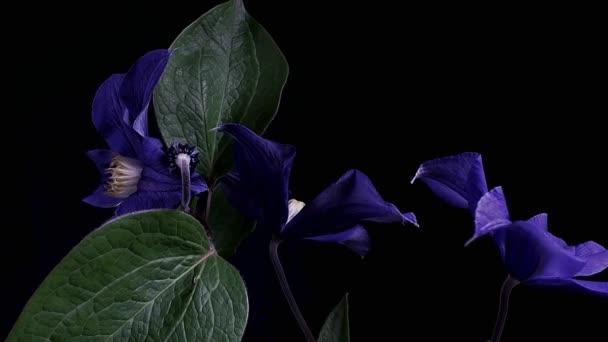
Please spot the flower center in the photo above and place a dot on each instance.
(183, 157)
(124, 174)
(294, 208)
(177, 153)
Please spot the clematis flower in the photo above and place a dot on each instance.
(530, 253)
(259, 187)
(136, 172)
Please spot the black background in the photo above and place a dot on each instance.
(371, 86)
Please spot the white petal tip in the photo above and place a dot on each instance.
(470, 241)
(415, 177)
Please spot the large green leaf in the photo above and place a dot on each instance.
(149, 276)
(228, 226)
(225, 68)
(336, 327)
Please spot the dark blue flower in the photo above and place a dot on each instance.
(259, 187)
(458, 180)
(136, 173)
(530, 253)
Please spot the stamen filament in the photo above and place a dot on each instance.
(123, 176)
(183, 163)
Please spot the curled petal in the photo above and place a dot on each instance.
(159, 191)
(532, 253)
(459, 180)
(589, 248)
(99, 198)
(153, 154)
(410, 218)
(245, 204)
(350, 200)
(355, 238)
(153, 181)
(101, 158)
(592, 287)
(540, 221)
(144, 200)
(263, 168)
(109, 118)
(198, 184)
(595, 287)
(491, 214)
(595, 256)
(138, 85)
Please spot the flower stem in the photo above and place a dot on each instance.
(208, 206)
(183, 162)
(207, 217)
(278, 268)
(503, 307)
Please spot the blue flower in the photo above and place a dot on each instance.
(259, 187)
(531, 254)
(136, 172)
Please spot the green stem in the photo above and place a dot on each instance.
(503, 307)
(207, 218)
(208, 207)
(278, 268)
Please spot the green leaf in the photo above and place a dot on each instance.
(225, 68)
(149, 276)
(228, 225)
(336, 326)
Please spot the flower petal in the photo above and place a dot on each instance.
(101, 158)
(540, 221)
(491, 214)
(197, 184)
(589, 248)
(144, 200)
(245, 204)
(595, 255)
(410, 218)
(342, 205)
(153, 154)
(158, 175)
(459, 180)
(530, 252)
(159, 186)
(263, 168)
(355, 238)
(593, 287)
(139, 83)
(152, 181)
(99, 198)
(596, 287)
(109, 118)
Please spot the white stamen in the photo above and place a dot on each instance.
(182, 159)
(294, 208)
(183, 163)
(124, 175)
